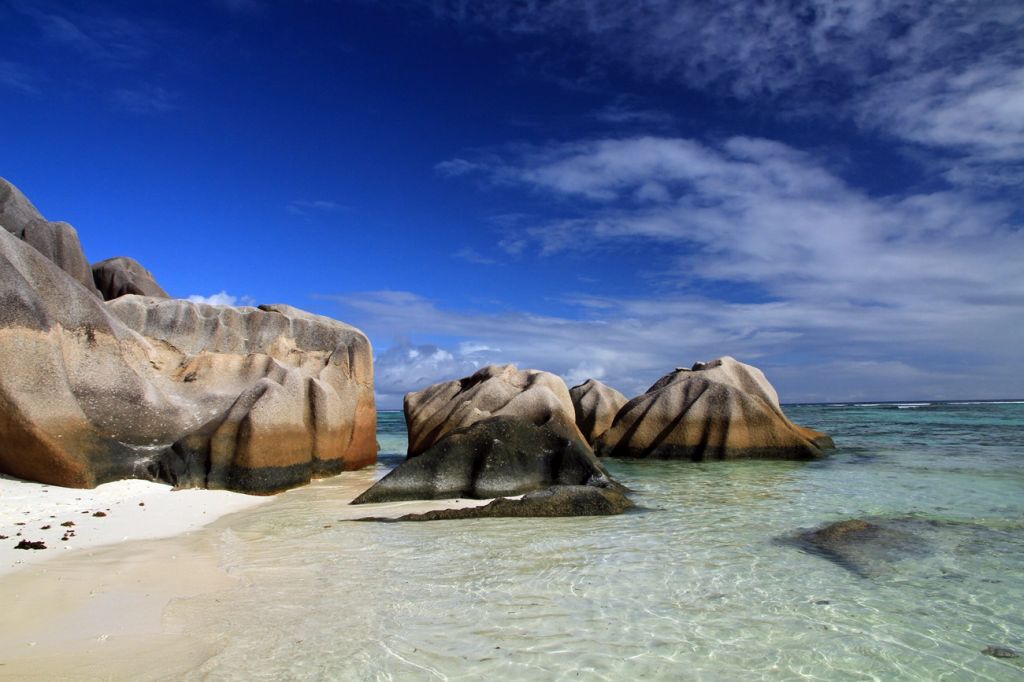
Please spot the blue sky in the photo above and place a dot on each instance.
(829, 190)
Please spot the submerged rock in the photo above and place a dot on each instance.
(556, 501)
(496, 390)
(867, 548)
(722, 409)
(248, 399)
(498, 456)
(595, 405)
(116, 277)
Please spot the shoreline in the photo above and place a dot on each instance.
(110, 514)
(93, 608)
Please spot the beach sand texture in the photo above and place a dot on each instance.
(84, 608)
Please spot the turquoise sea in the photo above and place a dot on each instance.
(701, 583)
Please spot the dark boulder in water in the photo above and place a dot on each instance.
(867, 548)
(556, 501)
(495, 457)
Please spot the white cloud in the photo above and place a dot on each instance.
(455, 167)
(221, 298)
(146, 99)
(858, 296)
(307, 207)
(251, 7)
(471, 255)
(404, 367)
(17, 77)
(945, 74)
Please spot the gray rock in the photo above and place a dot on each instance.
(116, 277)
(16, 211)
(495, 390)
(56, 240)
(249, 399)
(865, 547)
(559, 500)
(595, 405)
(496, 457)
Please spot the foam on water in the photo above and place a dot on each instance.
(696, 585)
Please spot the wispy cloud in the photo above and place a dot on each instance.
(245, 7)
(471, 255)
(943, 74)
(919, 293)
(308, 207)
(98, 34)
(627, 112)
(146, 99)
(17, 77)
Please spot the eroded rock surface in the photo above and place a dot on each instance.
(718, 410)
(595, 405)
(249, 399)
(496, 390)
(116, 277)
(58, 241)
(498, 456)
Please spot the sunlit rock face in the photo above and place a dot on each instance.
(501, 431)
(723, 409)
(249, 399)
(116, 277)
(497, 456)
(596, 406)
(57, 241)
(495, 390)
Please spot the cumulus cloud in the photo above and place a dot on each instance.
(221, 298)
(405, 367)
(846, 295)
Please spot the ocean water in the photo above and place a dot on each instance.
(701, 583)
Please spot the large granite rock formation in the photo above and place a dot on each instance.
(596, 406)
(56, 240)
(116, 277)
(497, 456)
(249, 399)
(495, 390)
(719, 410)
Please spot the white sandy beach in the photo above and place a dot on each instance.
(91, 607)
(109, 514)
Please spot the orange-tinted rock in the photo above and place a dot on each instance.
(250, 399)
(56, 240)
(719, 410)
(596, 406)
(495, 390)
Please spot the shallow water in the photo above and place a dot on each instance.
(696, 585)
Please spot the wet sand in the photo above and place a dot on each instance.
(93, 608)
